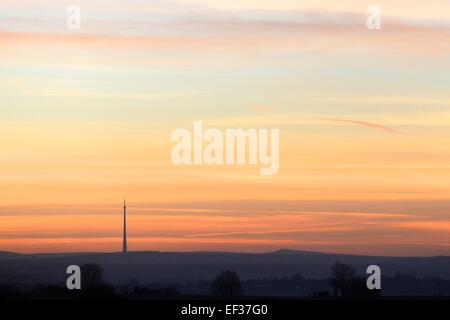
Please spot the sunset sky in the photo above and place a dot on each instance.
(364, 116)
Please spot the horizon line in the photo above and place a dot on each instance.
(279, 251)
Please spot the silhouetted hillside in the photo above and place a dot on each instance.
(161, 267)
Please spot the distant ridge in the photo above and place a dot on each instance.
(294, 252)
(277, 252)
(8, 255)
(7, 252)
(171, 267)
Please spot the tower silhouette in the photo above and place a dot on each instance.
(124, 249)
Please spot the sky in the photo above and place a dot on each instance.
(86, 118)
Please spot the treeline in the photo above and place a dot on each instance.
(397, 285)
(343, 282)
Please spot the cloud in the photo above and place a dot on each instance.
(318, 229)
(112, 95)
(198, 28)
(432, 226)
(364, 124)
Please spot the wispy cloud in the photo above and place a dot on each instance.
(168, 24)
(364, 124)
(324, 229)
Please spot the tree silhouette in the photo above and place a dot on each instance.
(343, 277)
(91, 276)
(226, 284)
(92, 284)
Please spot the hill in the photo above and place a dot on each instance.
(171, 267)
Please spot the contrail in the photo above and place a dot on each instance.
(365, 124)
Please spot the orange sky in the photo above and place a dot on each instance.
(86, 118)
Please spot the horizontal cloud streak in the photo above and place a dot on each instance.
(363, 123)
